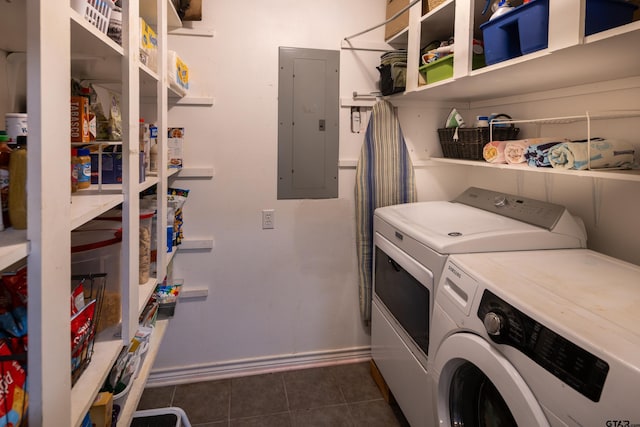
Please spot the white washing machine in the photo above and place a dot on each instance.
(412, 243)
(540, 338)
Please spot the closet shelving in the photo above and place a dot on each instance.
(613, 174)
(571, 59)
(60, 45)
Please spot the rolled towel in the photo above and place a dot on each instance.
(537, 154)
(514, 151)
(493, 152)
(605, 153)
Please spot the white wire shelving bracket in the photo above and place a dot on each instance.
(597, 181)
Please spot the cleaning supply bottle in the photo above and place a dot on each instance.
(504, 6)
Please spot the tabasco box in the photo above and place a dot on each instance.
(80, 119)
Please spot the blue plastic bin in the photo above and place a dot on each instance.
(523, 30)
(602, 15)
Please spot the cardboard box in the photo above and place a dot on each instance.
(400, 23)
(111, 168)
(175, 141)
(148, 46)
(80, 119)
(101, 410)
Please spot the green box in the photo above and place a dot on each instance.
(438, 70)
(442, 68)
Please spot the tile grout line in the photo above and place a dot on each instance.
(286, 398)
(229, 402)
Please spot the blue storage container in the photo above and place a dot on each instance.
(523, 30)
(602, 15)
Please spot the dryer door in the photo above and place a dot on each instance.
(478, 387)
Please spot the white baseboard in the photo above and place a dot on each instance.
(256, 366)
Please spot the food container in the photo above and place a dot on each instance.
(15, 125)
(96, 248)
(146, 217)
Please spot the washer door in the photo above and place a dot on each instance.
(478, 387)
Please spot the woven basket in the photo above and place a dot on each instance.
(471, 141)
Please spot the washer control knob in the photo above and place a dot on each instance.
(500, 201)
(493, 323)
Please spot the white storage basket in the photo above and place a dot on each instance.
(97, 12)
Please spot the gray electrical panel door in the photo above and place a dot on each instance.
(308, 90)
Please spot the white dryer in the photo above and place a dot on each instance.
(412, 243)
(537, 338)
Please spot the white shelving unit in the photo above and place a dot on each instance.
(570, 55)
(567, 61)
(81, 51)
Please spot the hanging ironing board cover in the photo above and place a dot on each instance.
(384, 176)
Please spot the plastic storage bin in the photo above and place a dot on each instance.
(602, 15)
(96, 248)
(161, 417)
(437, 70)
(144, 249)
(97, 12)
(523, 30)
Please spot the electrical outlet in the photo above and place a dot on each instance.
(268, 218)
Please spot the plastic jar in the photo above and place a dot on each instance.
(18, 185)
(144, 265)
(114, 218)
(15, 125)
(75, 161)
(5, 154)
(84, 168)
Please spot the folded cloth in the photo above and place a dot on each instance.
(537, 154)
(514, 151)
(605, 153)
(493, 152)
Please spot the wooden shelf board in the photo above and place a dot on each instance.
(130, 402)
(86, 389)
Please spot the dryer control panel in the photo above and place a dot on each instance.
(531, 211)
(575, 366)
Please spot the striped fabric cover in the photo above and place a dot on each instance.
(384, 176)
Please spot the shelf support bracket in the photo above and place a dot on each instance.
(596, 194)
(548, 187)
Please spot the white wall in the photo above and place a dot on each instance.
(289, 295)
(275, 296)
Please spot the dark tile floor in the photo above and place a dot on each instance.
(342, 395)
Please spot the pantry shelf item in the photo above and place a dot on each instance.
(54, 62)
(85, 318)
(97, 12)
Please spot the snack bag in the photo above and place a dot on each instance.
(82, 332)
(13, 393)
(176, 199)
